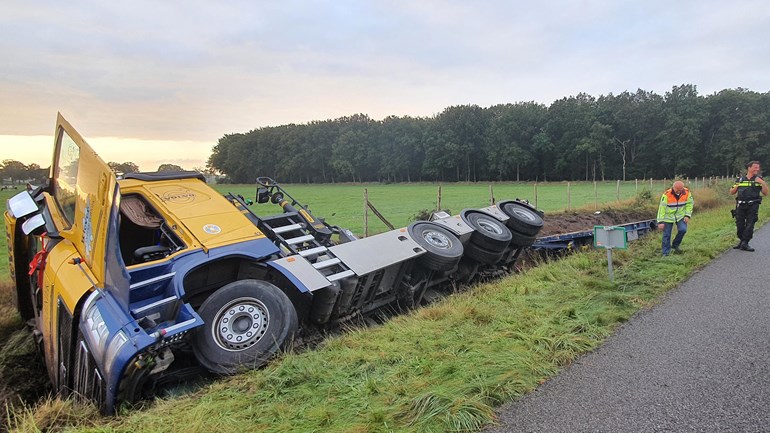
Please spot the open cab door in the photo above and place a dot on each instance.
(85, 191)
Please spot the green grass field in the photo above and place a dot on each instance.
(343, 204)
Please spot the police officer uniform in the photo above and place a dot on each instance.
(747, 200)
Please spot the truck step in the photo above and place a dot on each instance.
(340, 275)
(286, 228)
(326, 263)
(299, 240)
(138, 312)
(311, 251)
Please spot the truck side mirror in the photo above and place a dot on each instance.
(34, 225)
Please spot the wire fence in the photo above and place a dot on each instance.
(552, 195)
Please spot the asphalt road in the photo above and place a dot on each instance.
(697, 362)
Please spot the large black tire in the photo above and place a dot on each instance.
(245, 323)
(521, 240)
(489, 233)
(522, 219)
(443, 250)
(483, 255)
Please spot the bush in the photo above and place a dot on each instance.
(424, 215)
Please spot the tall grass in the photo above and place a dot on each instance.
(443, 367)
(440, 368)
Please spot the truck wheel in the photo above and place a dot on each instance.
(522, 219)
(489, 233)
(483, 255)
(521, 240)
(443, 250)
(245, 323)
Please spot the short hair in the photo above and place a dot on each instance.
(752, 163)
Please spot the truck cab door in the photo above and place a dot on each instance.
(84, 189)
(84, 210)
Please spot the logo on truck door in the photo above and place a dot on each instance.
(212, 229)
(88, 231)
(179, 196)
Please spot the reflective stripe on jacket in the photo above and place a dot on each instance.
(672, 208)
(748, 189)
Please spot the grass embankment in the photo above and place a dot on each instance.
(440, 368)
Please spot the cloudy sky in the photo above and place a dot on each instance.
(161, 81)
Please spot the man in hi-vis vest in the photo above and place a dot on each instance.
(675, 209)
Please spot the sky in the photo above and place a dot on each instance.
(155, 82)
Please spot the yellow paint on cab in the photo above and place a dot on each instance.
(197, 213)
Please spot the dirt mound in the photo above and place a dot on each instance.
(568, 222)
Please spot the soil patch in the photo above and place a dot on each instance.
(569, 222)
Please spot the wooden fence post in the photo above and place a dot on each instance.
(617, 191)
(491, 195)
(438, 199)
(535, 194)
(596, 197)
(569, 196)
(366, 213)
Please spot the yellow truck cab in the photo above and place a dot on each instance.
(131, 284)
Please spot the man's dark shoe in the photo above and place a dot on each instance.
(738, 245)
(678, 251)
(745, 247)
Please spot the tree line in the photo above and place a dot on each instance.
(14, 172)
(625, 136)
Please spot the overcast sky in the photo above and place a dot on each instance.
(161, 81)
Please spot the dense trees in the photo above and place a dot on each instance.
(123, 167)
(12, 172)
(623, 136)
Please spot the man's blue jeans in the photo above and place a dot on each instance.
(681, 229)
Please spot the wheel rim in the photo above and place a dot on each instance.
(240, 324)
(523, 213)
(489, 226)
(436, 239)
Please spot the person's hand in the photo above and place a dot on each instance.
(661, 226)
(687, 220)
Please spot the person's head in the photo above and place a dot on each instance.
(752, 168)
(678, 187)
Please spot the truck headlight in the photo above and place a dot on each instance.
(98, 335)
(97, 330)
(113, 349)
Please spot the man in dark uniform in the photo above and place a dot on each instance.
(750, 189)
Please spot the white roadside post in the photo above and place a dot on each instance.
(609, 238)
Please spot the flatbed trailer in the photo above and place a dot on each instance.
(570, 241)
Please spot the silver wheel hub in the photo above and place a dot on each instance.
(524, 214)
(240, 324)
(489, 226)
(438, 240)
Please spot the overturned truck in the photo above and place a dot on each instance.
(152, 279)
